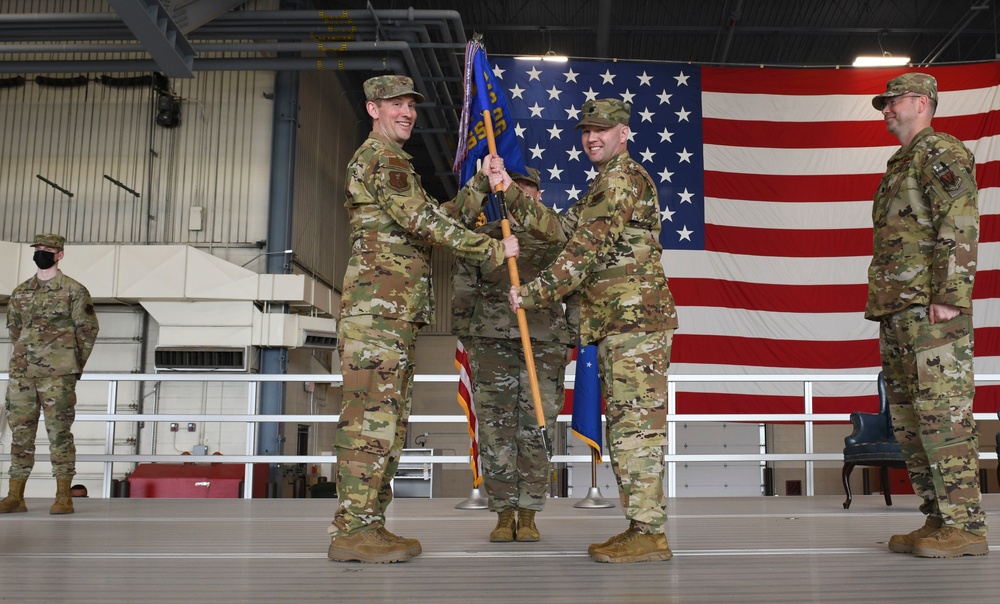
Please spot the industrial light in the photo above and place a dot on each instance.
(168, 110)
(549, 56)
(885, 60)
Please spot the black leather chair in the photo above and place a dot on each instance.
(873, 444)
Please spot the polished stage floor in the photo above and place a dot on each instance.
(763, 549)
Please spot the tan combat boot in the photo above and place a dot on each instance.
(904, 543)
(14, 501)
(950, 542)
(634, 547)
(64, 499)
(367, 545)
(526, 529)
(504, 531)
(631, 525)
(412, 545)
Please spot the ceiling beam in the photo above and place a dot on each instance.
(192, 15)
(156, 31)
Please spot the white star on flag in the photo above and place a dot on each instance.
(546, 106)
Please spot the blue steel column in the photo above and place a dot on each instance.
(270, 436)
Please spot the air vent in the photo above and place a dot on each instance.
(200, 359)
(319, 340)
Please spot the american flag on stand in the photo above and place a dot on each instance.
(766, 178)
(468, 405)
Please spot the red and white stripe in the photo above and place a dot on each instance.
(792, 160)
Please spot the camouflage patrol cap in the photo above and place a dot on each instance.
(605, 113)
(49, 240)
(389, 87)
(919, 83)
(533, 176)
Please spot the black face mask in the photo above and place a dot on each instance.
(43, 259)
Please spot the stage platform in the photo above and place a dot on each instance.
(763, 549)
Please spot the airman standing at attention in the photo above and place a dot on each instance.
(926, 234)
(53, 327)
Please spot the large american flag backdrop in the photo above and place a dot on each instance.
(765, 179)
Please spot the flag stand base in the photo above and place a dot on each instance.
(594, 500)
(475, 501)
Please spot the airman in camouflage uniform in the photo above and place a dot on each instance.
(53, 328)
(515, 462)
(926, 231)
(386, 298)
(612, 257)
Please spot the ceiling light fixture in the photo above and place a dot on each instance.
(886, 60)
(549, 56)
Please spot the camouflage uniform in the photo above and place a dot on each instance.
(386, 298)
(926, 231)
(53, 327)
(515, 464)
(612, 258)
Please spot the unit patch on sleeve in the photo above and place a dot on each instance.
(952, 182)
(398, 180)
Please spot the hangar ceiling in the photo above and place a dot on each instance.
(426, 39)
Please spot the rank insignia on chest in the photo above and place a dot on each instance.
(951, 182)
(399, 180)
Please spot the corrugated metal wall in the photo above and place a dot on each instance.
(89, 162)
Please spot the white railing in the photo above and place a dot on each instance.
(251, 418)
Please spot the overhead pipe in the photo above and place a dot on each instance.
(734, 19)
(603, 28)
(360, 46)
(223, 64)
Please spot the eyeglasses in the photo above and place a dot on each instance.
(892, 102)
